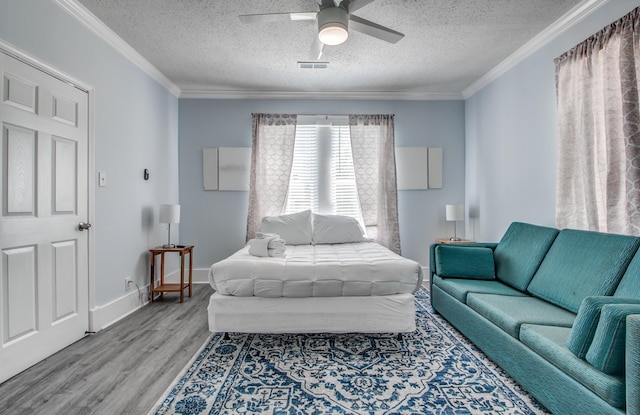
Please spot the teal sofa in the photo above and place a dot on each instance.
(559, 310)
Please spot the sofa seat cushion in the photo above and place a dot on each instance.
(509, 312)
(459, 288)
(580, 264)
(550, 342)
(465, 262)
(520, 252)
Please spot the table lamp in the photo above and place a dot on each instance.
(169, 214)
(454, 213)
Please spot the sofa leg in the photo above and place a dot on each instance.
(226, 336)
(399, 337)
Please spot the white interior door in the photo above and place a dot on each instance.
(43, 191)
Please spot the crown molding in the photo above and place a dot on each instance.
(568, 20)
(573, 16)
(393, 95)
(88, 19)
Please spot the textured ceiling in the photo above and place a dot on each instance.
(201, 45)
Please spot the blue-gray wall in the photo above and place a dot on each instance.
(511, 136)
(215, 221)
(135, 125)
(507, 163)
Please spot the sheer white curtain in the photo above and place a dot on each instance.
(598, 182)
(271, 158)
(372, 144)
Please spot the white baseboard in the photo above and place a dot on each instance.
(103, 316)
(426, 277)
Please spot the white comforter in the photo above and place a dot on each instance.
(355, 269)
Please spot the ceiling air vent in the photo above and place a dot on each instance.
(313, 65)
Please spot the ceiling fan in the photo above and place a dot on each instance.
(334, 18)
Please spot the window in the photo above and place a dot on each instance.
(322, 174)
(371, 144)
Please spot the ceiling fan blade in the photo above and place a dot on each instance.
(277, 17)
(315, 52)
(355, 5)
(374, 29)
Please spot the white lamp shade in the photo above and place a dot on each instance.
(454, 212)
(169, 213)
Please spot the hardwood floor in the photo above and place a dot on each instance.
(123, 369)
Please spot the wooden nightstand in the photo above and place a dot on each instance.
(163, 287)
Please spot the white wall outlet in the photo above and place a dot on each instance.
(102, 179)
(128, 283)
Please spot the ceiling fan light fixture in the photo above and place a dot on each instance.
(333, 35)
(332, 25)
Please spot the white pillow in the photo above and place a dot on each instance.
(336, 229)
(295, 228)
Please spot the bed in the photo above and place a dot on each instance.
(331, 279)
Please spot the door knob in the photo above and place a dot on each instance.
(83, 226)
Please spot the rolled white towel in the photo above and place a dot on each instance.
(259, 247)
(275, 242)
(263, 235)
(262, 247)
(276, 252)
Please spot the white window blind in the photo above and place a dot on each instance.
(303, 184)
(322, 173)
(344, 193)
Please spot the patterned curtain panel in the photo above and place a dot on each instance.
(372, 144)
(271, 158)
(598, 181)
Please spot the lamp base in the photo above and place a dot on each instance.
(454, 239)
(169, 246)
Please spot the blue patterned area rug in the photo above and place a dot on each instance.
(433, 370)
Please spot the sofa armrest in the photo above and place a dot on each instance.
(632, 364)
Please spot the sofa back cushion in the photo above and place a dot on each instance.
(587, 320)
(607, 351)
(520, 252)
(629, 286)
(580, 264)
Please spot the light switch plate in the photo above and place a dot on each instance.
(102, 179)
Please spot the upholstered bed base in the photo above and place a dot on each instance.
(375, 314)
